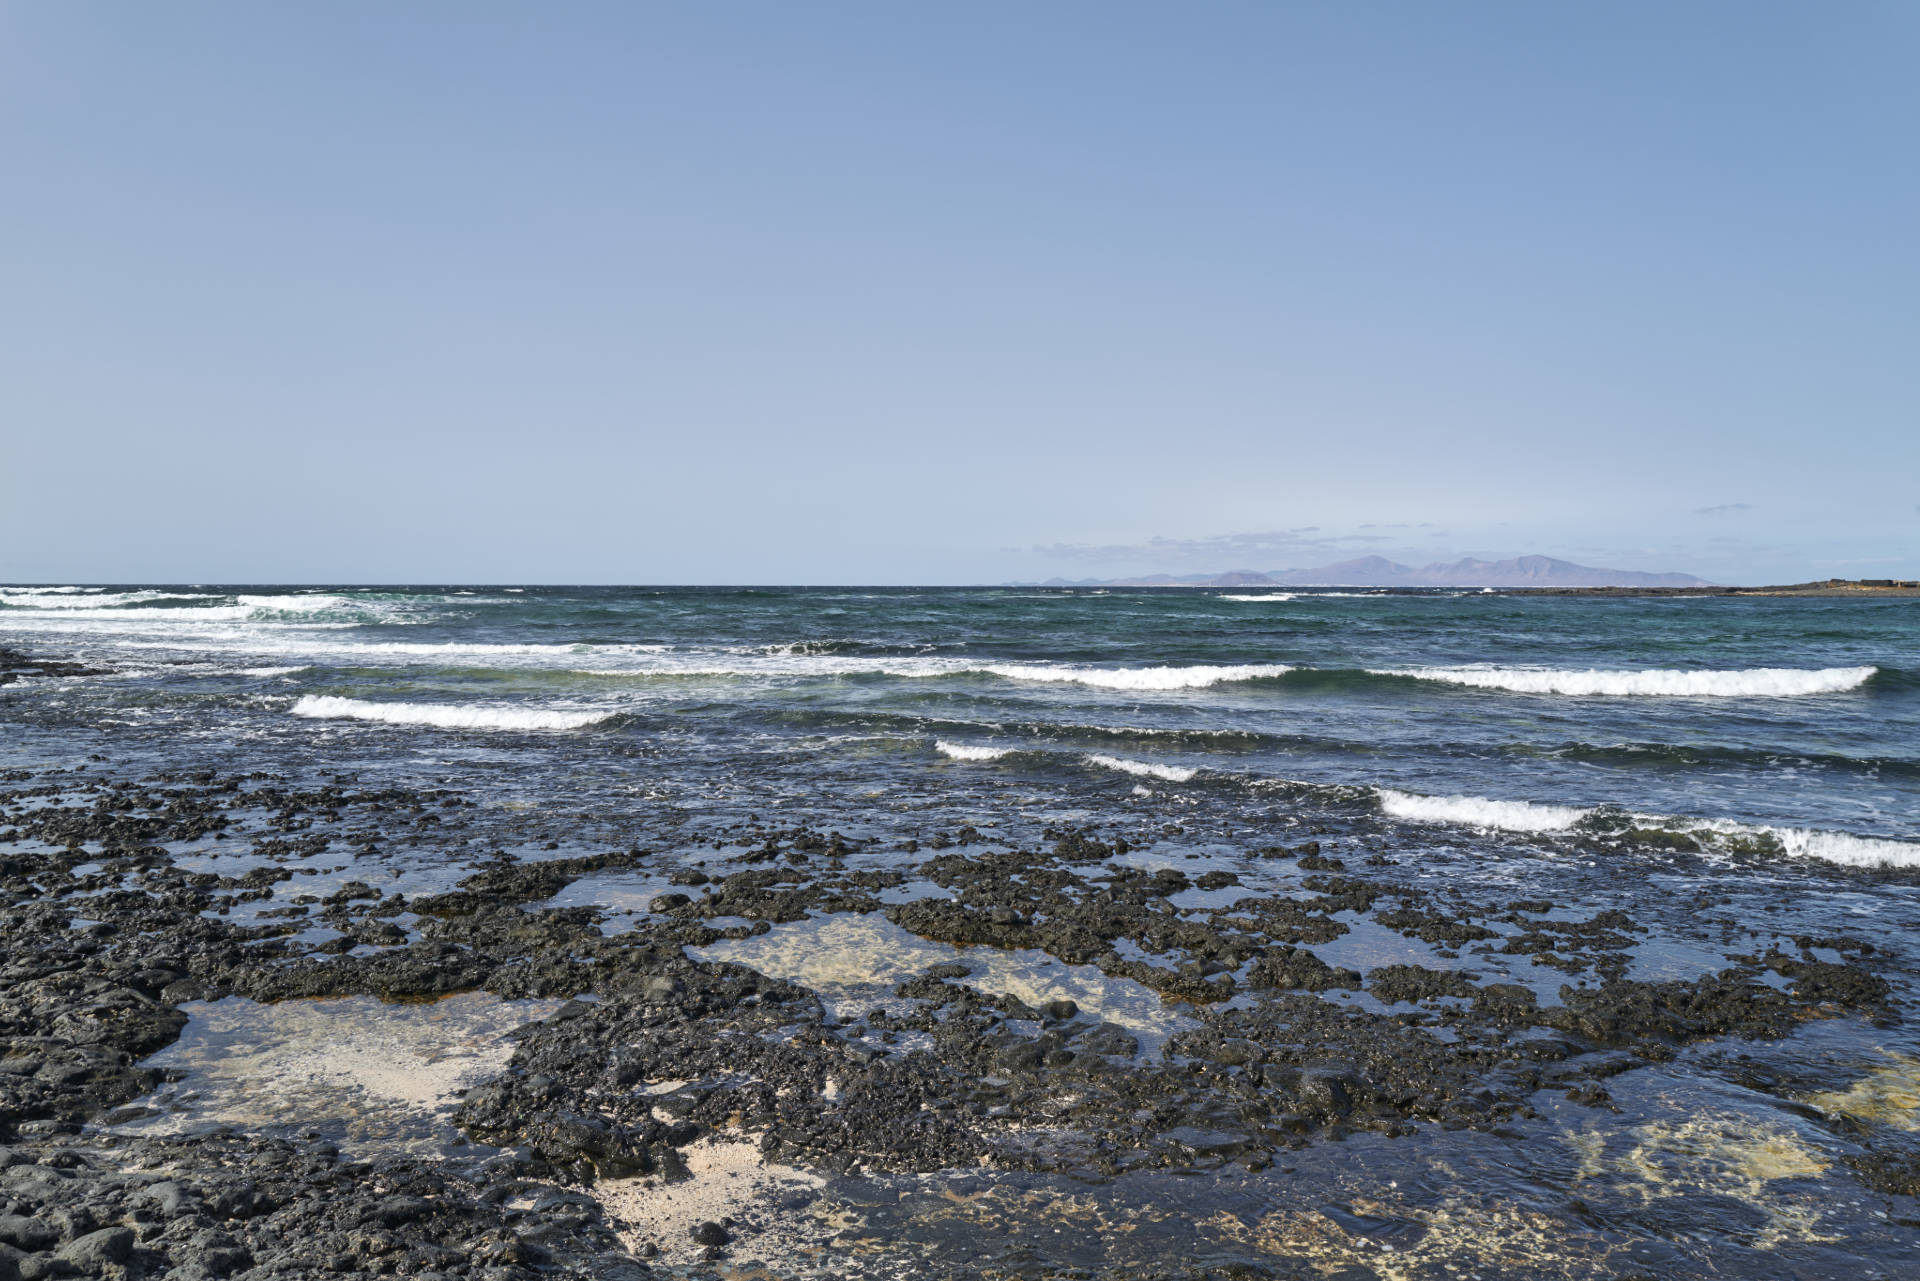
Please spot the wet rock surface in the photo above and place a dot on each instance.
(114, 919)
(224, 1205)
(17, 666)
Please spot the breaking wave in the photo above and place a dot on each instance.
(1720, 835)
(74, 598)
(1170, 773)
(1268, 596)
(443, 715)
(264, 607)
(1795, 842)
(1143, 678)
(1478, 811)
(69, 609)
(1844, 847)
(969, 751)
(1121, 678)
(1753, 682)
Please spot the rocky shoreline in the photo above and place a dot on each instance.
(1210, 1040)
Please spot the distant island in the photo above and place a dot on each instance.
(1378, 571)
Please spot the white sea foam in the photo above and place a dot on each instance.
(969, 751)
(1753, 682)
(778, 664)
(1268, 596)
(181, 623)
(270, 671)
(1844, 847)
(75, 598)
(113, 611)
(297, 643)
(1141, 678)
(1527, 816)
(467, 649)
(301, 603)
(299, 627)
(444, 715)
(95, 599)
(1796, 842)
(697, 664)
(1478, 811)
(1171, 773)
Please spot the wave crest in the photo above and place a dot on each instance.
(1721, 835)
(77, 597)
(1843, 848)
(1170, 773)
(1846, 848)
(969, 751)
(1478, 811)
(1142, 678)
(1753, 682)
(443, 715)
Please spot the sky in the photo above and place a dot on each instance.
(881, 293)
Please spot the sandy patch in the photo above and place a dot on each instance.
(1722, 1155)
(770, 1205)
(1887, 1096)
(1413, 1243)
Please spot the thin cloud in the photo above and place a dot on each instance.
(1723, 509)
(1238, 548)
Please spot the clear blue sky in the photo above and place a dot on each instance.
(742, 292)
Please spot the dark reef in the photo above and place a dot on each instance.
(107, 936)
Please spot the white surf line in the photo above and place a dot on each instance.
(1478, 811)
(443, 715)
(1143, 769)
(1843, 848)
(1753, 682)
(969, 752)
(1141, 678)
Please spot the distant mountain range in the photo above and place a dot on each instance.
(1378, 571)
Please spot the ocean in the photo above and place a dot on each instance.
(1778, 722)
(1740, 777)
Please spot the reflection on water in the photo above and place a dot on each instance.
(622, 896)
(366, 1074)
(854, 962)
